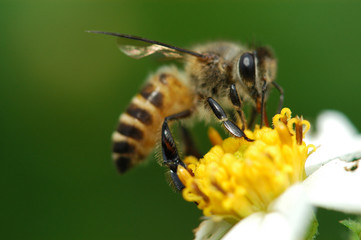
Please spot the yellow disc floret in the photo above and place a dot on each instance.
(237, 178)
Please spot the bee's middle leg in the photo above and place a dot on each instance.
(169, 149)
(254, 115)
(231, 127)
(190, 149)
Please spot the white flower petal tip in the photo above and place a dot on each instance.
(287, 219)
(336, 185)
(336, 136)
(211, 229)
(336, 121)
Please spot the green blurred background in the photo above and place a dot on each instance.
(62, 90)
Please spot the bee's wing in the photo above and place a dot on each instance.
(138, 47)
(146, 49)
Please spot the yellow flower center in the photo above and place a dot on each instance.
(237, 178)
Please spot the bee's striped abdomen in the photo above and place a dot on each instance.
(140, 114)
(139, 126)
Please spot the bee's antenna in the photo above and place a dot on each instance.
(150, 41)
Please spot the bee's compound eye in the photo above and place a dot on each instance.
(247, 68)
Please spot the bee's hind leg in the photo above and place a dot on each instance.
(170, 154)
(231, 127)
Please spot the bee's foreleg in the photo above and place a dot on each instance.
(169, 149)
(264, 118)
(263, 104)
(228, 124)
(233, 94)
(280, 89)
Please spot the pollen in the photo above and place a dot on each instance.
(237, 178)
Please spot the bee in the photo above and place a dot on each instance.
(217, 76)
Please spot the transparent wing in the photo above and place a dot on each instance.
(141, 49)
(138, 47)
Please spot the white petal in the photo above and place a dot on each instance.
(335, 137)
(259, 226)
(288, 219)
(248, 228)
(295, 206)
(211, 229)
(337, 186)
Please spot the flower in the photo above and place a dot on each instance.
(238, 177)
(259, 189)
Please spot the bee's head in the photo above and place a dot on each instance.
(256, 68)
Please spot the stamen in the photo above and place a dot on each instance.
(284, 116)
(299, 130)
(183, 174)
(214, 136)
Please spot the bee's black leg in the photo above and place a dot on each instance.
(169, 149)
(228, 124)
(237, 104)
(264, 118)
(190, 149)
(254, 115)
(263, 103)
(280, 89)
